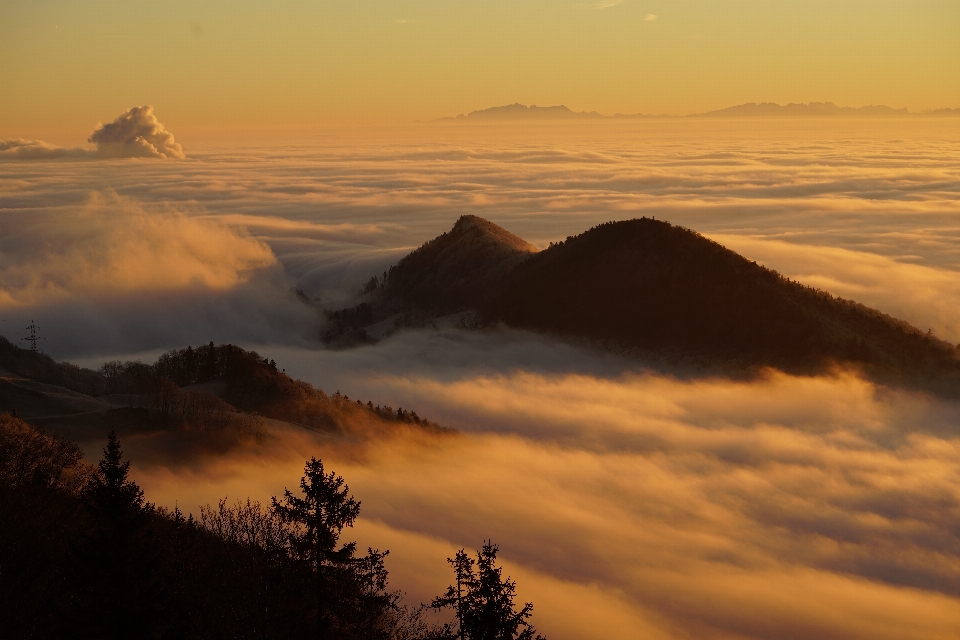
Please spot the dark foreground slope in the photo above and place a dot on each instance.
(84, 555)
(648, 285)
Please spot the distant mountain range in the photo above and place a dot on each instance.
(512, 112)
(649, 288)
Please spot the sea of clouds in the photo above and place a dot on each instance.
(629, 500)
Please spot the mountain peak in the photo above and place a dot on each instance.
(468, 229)
(459, 267)
(519, 111)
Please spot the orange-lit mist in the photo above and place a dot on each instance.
(785, 507)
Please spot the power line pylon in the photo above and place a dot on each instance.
(33, 337)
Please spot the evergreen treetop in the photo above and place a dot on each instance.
(109, 492)
(483, 599)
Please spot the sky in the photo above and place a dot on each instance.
(311, 65)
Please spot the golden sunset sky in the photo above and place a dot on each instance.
(298, 64)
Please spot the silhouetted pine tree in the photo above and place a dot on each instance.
(350, 590)
(483, 599)
(116, 562)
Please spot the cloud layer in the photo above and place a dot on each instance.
(861, 210)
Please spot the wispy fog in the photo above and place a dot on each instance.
(630, 499)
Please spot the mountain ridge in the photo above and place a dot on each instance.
(653, 289)
(520, 112)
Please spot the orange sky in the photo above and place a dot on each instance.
(309, 65)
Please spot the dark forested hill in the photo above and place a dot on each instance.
(653, 286)
(214, 395)
(646, 286)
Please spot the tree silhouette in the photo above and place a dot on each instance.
(349, 590)
(483, 599)
(116, 562)
(109, 493)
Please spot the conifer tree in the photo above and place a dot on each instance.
(483, 599)
(117, 560)
(349, 589)
(109, 493)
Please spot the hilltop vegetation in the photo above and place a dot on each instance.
(248, 383)
(42, 368)
(453, 272)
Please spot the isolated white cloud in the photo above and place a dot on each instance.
(136, 133)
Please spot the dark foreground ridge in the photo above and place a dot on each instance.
(654, 289)
(84, 554)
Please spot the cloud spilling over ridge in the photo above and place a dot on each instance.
(115, 274)
(926, 297)
(136, 133)
(114, 244)
(786, 507)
